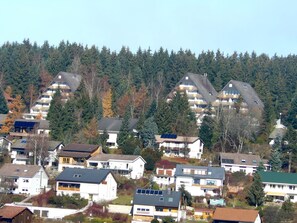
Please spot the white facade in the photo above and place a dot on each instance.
(30, 185)
(112, 140)
(281, 191)
(199, 187)
(130, 168)
(103, 191)
(177, 146)
(164, 177)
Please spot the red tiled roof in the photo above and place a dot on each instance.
(11, 211)
(231, 214)
(165, 164)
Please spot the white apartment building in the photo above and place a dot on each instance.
(238, 162)
(280, 186)
(165, 172)
(92, 184)
(23, 179)
(182, 146)
(200, 180)
(130, 166)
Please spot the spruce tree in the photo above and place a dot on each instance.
(256, 193)
(164, 118)
(124, 133)
(148, 132)
(292, 113)
(206, 131)
(275, 157)
(3, 104)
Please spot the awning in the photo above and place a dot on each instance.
(276, 194)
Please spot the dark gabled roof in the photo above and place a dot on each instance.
(240, 158)
(212, 172)
(165, 164)
(74, 154)
(248, 94)
(235, 215)
(72, 80)
(52, 145)
(203, 85)
(83, 175)
(84, 148)
(114, 124)
(278, 177)
(163, 199)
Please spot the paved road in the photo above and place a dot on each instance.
(123, 209)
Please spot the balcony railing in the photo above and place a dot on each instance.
(69, 188)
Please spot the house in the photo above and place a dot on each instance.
(23, 179)
(95, 185)
(280, 186)
(183, 146)
(238, 162)
(26, 127)
(165, 171)
(200, 180)
(2, 119)
(241, 94)
(149, 204)
(199, 91)
(203, 214)
(5, 144)
(232, 215)
(67, 83)
(112, 126)
(14, 214)
(20, 154)
(54, 147)
(75, 155)
(130, 166)
(278, 131)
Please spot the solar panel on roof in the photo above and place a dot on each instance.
(147, 192)
(138, 191)
(143, 191)
(228, 161)
(160, 192)
(168, 136)
(152, 192)
(156, 192)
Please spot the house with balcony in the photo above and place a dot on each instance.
(23, 128)
(199, 91)
(112, 126)
(200, 180)
(164, 176)
(92, 184)
(23, 179)
(235, 215)
(130, 166)
(156, 204)
(20, 153)
(280, 186)
(67, 83)
(181, 146)
(239, 95)
(76, 155)
(239, 162)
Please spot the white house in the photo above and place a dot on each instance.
(165, 171)
(54, 147)
(200, 180)
(278, 131)
(5, 144)
(23, 179)
(235, 215)
(280, 186)
(149, 204)
(238, 162)
(130, 166)
(95, 185)
(173, 145)
(112, 126)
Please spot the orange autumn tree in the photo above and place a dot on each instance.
(107, 104)
(15, 111)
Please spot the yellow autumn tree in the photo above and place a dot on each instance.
(107, 104)
(15, 111)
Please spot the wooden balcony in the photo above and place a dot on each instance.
(69, 188)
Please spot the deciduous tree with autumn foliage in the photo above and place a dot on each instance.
(107, 104)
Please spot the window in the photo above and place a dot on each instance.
(292, 187)
(291, 197)
(25, 181)
(66, 160)
(44, 214)
(77, 175)
(161, 199)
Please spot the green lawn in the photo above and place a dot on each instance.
(123, 199)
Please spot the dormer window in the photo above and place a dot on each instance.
(187, 77)
(243, 161)
(230, 85)
(77, 175)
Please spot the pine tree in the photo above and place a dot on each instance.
(206, 131)
(256, 193)
(164, 118)
(292, 113)
(124, 133)
(275, 158)
(107, 104)
(3, 104)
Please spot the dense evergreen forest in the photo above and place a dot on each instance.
(143, 79)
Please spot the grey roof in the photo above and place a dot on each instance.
(52, 145)
(248, 94)
(2, 118)
(72, 80)
(114, 124)
(19, 144)
(16, 170)
(203, 85)
(168, 198)
(237, 158)
(83, 175)
(108, 157)
(212, 172)
(75, 147)
(277, 132)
